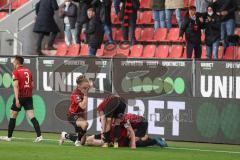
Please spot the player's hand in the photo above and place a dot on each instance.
(180, 38)
(18, 103)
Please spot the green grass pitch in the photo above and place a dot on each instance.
(23, 148)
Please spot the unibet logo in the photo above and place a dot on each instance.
(5, 80)
(39, 110)
(158, 85)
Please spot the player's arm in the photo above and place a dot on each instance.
(16, 92)
(131, 135)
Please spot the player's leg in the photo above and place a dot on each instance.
(28, 106)
(12, 122)
(31, 116)
(94, 140)
(81, 129)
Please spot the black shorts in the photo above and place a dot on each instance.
(115, 108)
(72, 119)
(141, 129)
(25, 102)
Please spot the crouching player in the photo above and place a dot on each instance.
(133, 133)
(111, 111)
(77, 114)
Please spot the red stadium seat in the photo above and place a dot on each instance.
(204, 52)
(100, 51)
(145, 4)
(176, 51)
(136, 51)
(220, 52)
(147, 34)
(115, 18)
(138, 33)
(84, 50)
(2, 15)
(118, 35)
(109, 50)
(162, 51)
(73, 50)
(123, 49)
(203, 37)
(149, 51)
(237, 31)
(62, 49)
(173, 35)
(231, 53)
(3, 2)
(160, 35)
(146, 18)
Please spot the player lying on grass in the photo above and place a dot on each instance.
(23, 86)
(111, 111)
(133, 130)
(77, 114)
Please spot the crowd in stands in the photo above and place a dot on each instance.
(93, 18)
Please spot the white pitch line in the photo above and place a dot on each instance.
(203, 150)
(172, 148)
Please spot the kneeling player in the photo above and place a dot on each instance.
(111, 110)
(77, 115)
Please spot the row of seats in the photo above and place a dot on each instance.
(146, 4)
(141, 51)
(144, 18)
(150, 35)
(15, 3)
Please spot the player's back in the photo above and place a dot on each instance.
(24, 77)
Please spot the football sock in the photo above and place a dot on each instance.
(148, 142)
(11, 127)
(36, 126)
(72, 137)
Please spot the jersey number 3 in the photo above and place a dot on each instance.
(27, 78)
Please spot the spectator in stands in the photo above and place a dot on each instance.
(212, 25)
(68, 11)
(94, 32)
(226, 9)
(82, 17)
(192, 28)
(128, 16)
(45, 23)
(158, 7)
(117, 6)
(202, 5)
(105, 16)
(171, 6)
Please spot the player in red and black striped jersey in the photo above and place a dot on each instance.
(111, 110)
(23, 86)
(138, 123)
(77, 112)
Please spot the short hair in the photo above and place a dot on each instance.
(192, 8)
(91, 9)
(82, 79)
(19, 59)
